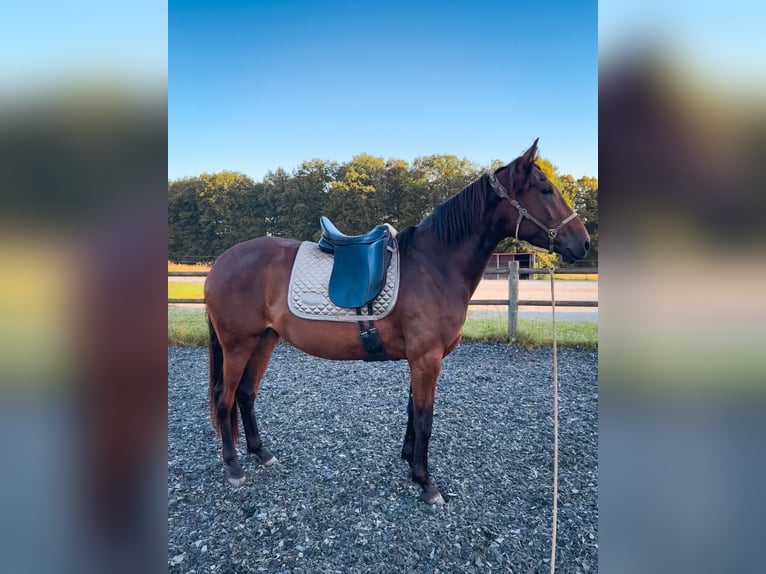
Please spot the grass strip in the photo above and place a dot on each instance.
(189, 328)
(186, 328)
(185, 290)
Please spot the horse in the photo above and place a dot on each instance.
(442, 261)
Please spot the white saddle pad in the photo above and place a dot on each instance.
(308, 295)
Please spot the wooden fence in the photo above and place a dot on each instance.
(512, 302)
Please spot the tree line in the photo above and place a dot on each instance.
(211, 212)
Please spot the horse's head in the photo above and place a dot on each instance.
(535, 211)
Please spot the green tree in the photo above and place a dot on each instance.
(209, 213)
(293, 202)
(353, 201)
(435, 178)
(312, 183)
(187, 239)
(586, 204)
(395, 197)
(227, 200)
(275, 203)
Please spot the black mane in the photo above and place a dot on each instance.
(454, 219)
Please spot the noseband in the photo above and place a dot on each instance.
(551, 232)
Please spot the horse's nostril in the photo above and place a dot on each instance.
(587, 245)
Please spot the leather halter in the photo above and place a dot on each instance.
(552, 232)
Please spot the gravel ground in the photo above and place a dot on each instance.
(341, 499)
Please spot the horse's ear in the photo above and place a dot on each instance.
(529, 156)
(523, 165)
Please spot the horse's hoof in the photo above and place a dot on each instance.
(236, 482)
(433, 498)
(273, 460)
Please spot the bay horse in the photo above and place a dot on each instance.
(442, 260)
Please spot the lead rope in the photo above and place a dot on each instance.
(555, 429)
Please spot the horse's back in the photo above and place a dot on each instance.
(251, 269)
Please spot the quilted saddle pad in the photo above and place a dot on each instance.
(308, 296)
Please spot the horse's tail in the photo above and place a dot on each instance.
(215, 376)
(215, 373)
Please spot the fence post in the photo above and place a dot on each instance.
(513, 298)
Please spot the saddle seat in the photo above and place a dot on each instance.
(331, 236)
(360, 263)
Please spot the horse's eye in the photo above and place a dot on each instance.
(548, 190)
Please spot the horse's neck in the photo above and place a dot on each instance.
(471, 258)
(464, 262)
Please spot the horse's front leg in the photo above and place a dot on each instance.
(409, 434)
(424, 371)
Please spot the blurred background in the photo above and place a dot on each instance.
(682, 136)
(83, 155)
(83, 239)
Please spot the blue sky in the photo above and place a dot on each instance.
(721, 40)
(254, 86)
(57, 43)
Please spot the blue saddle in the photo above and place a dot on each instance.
(360, 263)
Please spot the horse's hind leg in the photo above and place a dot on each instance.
(247, 391)
(233, 368)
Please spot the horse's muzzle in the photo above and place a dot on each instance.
(576, 249)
